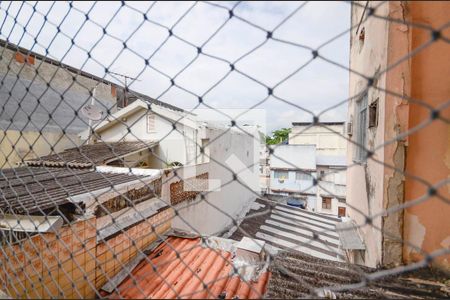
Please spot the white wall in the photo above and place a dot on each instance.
(174, 145)
(331, 185)
(327, 142)
(222, 206)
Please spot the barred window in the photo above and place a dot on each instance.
(360, 154)
(280, 174)
(151, 123)
(299, 175)
(326, 202)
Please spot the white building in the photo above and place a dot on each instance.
(292, 172)
(214, 160)
(314, 153)
(331, 191)
(175, 131)
(328, 137)
(264, 167)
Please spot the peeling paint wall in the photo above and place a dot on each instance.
(396, 123)
(427, 225)
(408, 159)
(365, 183)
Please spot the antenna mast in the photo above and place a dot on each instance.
(126, 77)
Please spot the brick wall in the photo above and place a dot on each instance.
(70, 263)
(188, 189)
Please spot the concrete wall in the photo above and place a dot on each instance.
(227, 198)
(58, 77)
(61, 81)
(365, 181)
(290, 184)
(41, 145)
(427, 225)
(374, 187)
(327, 141)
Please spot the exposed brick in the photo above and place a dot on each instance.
(194, 185)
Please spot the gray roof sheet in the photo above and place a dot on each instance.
(86, 156)
(291, 228)
(296, 275)
(29, 190)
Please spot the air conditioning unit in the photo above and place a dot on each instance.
(349, 128)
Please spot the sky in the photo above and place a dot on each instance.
(242, 40)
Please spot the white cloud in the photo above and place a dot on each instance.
(316, 87)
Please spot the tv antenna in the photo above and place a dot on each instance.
(126, 77)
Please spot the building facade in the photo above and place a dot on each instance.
(330, 146)
(331, 187)
(407, 162)
(42, 102)
(292, 172)
(328, 137)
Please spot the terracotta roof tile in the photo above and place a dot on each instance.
(182, 268)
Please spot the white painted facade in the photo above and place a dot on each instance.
(327, 137)
(227, 151)
(230, 152)
(331, 185)
(329, 167)
(294, 169)
(292, 172)
(137, 123)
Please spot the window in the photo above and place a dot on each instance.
(361, 130)
(302, 176)
(280, 174)
(373, 114)
(326, 202)
(341, 211)
(150, 123)
(342, 200)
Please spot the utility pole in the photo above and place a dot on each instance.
(126, 77)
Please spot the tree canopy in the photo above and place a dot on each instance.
(278, 136)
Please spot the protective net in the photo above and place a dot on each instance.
(224, 149)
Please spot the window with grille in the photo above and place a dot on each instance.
(302, 176)
(280, 174)
(326, 202)
(360, 154)
(151, 123)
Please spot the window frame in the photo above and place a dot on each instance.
(280, 171)
(326, 202)
(149, 117)
(361, 112)
(306, 176)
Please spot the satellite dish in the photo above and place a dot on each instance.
(92, 112)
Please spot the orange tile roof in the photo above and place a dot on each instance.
(197, 272)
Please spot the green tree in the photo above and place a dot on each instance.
(278, 136)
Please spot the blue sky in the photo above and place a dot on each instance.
(316, 87)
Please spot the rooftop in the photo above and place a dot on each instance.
(34, 189)
(320, 123)
(297, 275)
(202, 270)
(93, 154)
(286, 227)
(209, 267)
